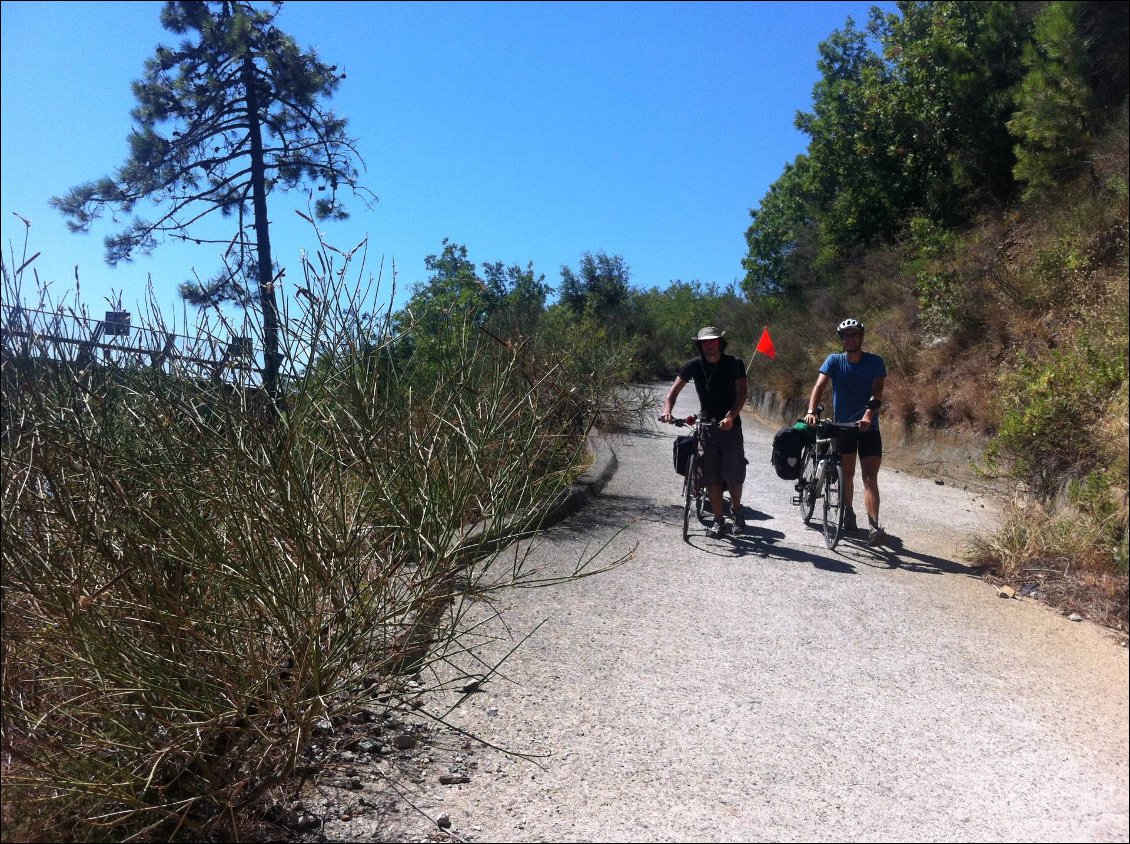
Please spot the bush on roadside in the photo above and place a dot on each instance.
(193, 579)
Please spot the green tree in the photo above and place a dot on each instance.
(602, 283)
(1054, 116)
(953, 68)
(784, 213)
(456, 297)
(232, 114)
(854, 170)
(524, 293)
(667, 319)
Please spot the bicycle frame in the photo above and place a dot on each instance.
(695, 493)
(822, 477)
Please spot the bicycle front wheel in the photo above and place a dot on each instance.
(809, 465)
(833, 503)
(691, 495)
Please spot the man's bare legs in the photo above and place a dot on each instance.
(870, 470)
(718, 504)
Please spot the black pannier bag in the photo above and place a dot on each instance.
(682, 448)
(787, 446)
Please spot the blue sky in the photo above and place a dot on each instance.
(530, 132)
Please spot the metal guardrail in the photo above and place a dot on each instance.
(64, 336)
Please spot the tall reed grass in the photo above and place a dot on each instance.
(193, 578)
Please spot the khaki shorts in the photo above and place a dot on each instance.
(723, 456)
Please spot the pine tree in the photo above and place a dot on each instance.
(233, 113)
(1053, 123)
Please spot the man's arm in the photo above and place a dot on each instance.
(741, 392)
(876, 396)
(669, 402)
(814, 399)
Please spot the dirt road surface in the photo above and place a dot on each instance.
(763, 688)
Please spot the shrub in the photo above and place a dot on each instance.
(193, 578)
(1049, 406)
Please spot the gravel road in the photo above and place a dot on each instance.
(762, 688)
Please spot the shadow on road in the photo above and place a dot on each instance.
(895, 554)
(764, 542)
(852, 549)
(760, 540)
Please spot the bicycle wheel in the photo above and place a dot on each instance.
(690, 493)
(808, 492)
(833, 503)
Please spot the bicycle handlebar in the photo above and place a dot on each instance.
(689, 421)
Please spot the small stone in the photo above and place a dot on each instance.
(939, 482)
(306, 823)
(453, 779)
(443, 821)
(491, 711)
(1006, 592)
(1075, 617)
(404, 741)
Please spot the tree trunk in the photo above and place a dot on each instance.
(267, 300)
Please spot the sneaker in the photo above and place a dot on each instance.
(876, 536)
(718, 529)
(849, 520)
(739, 524)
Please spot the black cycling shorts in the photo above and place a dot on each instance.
(868, 444)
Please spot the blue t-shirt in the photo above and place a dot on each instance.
(851, 385)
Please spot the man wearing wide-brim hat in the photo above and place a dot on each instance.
(720, 381)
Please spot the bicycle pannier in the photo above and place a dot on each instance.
(682, 448)
(787, 446)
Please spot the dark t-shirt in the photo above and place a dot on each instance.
(715, 383)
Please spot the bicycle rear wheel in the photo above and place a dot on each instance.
(808, 484)
(690, 493)
(833, 503)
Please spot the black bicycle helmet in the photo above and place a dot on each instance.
(849, 323)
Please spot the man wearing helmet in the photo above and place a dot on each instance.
(857, 379)
(720, 381)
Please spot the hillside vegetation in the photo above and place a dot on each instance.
(964, 193)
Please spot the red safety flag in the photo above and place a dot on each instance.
(765, 345)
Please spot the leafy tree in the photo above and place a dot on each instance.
(785, 211)
(524, 295)
(1053, 123)
(601, 283)
(504, 300)
(854, 169)
(954, 65)
(667, 319)
(233, 113)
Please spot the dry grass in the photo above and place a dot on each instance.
(1062, 558)
(190, 584)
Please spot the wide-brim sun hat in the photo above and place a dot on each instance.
(711, 332)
